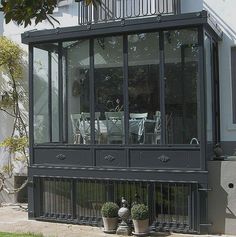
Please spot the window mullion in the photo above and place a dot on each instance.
(50, 96)
(125, 88)
(92, 91)
(60, 94)
(162, 88)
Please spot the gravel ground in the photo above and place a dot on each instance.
(13, 218)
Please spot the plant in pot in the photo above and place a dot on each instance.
(110, 217)
(140, 217)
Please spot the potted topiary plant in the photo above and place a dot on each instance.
(140, 217)
(110, 217)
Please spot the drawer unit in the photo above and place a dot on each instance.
(80, 157)
(114, 158)
(159, 159)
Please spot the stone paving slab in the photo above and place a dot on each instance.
(14, 218)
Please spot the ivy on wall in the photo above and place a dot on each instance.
(13, 98)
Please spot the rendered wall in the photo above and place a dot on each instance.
(191, 5)
(222, 198)
(1, 23)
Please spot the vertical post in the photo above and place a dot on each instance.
(65, 94)
(176, 7)
(151, 202)
(190, 205)
(73, 198)
(162, 88)
(92, 97)
(50, 96)
(125, 88)
(31, 187)
(201, 98)
(60, 93)
(31, 104)
(216, 92)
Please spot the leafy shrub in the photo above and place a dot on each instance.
(110, 210)
(139, 212)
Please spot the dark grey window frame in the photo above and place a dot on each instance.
(214, 88)
(197, 20)
(63, 99)
(233, 81)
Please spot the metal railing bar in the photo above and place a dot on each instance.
(176, 208)
(112, 10)
(168, 203)
(171, 204)
(162, 213)
(167, 6)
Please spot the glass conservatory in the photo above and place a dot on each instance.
(124, 109)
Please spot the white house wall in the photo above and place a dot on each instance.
(1, 23)
(191, 6)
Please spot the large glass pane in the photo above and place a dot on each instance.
(209, 106)
(46, 109)
(41, 85)
(143, 88)
(108, 79)
(181, 75)
(55, 98)
(76, 57)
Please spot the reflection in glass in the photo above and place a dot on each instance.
(181, 74)
(143, 88)
(108, 84)
(76, 56)
(41, 112)
(55, 98)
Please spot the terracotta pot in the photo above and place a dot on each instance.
(141, 227)
(110, 224)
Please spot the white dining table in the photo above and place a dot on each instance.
(135, 126)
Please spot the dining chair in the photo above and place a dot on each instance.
(157, 129)
(115, 127)
(136, 126)
(86, 127)
(76, 121)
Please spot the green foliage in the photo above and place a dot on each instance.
(12, 96)
(24, 11)
(15, 144)
(8, 169)
(139, 212)
(7, 102)
(110, 209)
(3, 234)
(11, 58)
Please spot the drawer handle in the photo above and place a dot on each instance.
(61, 157)
(163, 158)
(109, 158)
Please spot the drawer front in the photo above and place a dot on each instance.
(63, 157)
(108, 158)
(165, 159)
